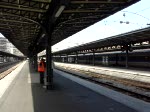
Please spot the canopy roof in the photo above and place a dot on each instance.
(24, 22)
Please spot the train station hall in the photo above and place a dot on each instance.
(106, 75)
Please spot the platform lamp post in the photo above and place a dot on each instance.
(35, 62)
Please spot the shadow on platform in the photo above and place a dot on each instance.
(69, 96)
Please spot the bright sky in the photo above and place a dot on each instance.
(1, 35)
(137, 15)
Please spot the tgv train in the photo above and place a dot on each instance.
(137, 58)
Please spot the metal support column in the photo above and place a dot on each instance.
(32, 62)
(93, 58)
(127, 55)
(35, 62)
(116, 60)
(6, 59)
(49, 70)
(76, 57)
(3, 59)
(67, 60)
(60, 60)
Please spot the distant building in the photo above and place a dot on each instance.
(3, 44)
(17, 52)
(6, 46)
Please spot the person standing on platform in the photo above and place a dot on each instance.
(41, 70)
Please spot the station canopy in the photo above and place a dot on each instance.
(27, 23)
(133, 37)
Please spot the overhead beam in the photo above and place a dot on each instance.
(84, 11)
(96, 2)
(13, 25)
(82, 22)
(14, 4)
(14, 21)
(23, 9)
(5, 31)
(1, 27)
(73, 23)
(42, 1)
(6, 24)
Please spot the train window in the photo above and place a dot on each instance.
(112, 58)
(98, 58)
(122, 58)
(138, 58)
(146, 58)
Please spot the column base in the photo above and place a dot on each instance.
(49, 82)
(50, 87)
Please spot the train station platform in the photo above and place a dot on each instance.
(135, 80)
(21, 92)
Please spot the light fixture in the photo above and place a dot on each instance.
(43, 35)
(61, 8)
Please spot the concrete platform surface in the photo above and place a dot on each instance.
(25, 94)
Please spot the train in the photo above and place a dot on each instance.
(136, 58)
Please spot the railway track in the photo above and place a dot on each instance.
(7, 69)
(132, 88)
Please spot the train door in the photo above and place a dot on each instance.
(63, 60)
(105, 60)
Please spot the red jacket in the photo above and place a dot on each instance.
(41, 66)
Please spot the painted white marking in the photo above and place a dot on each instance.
(6, 81)
(29, 78)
